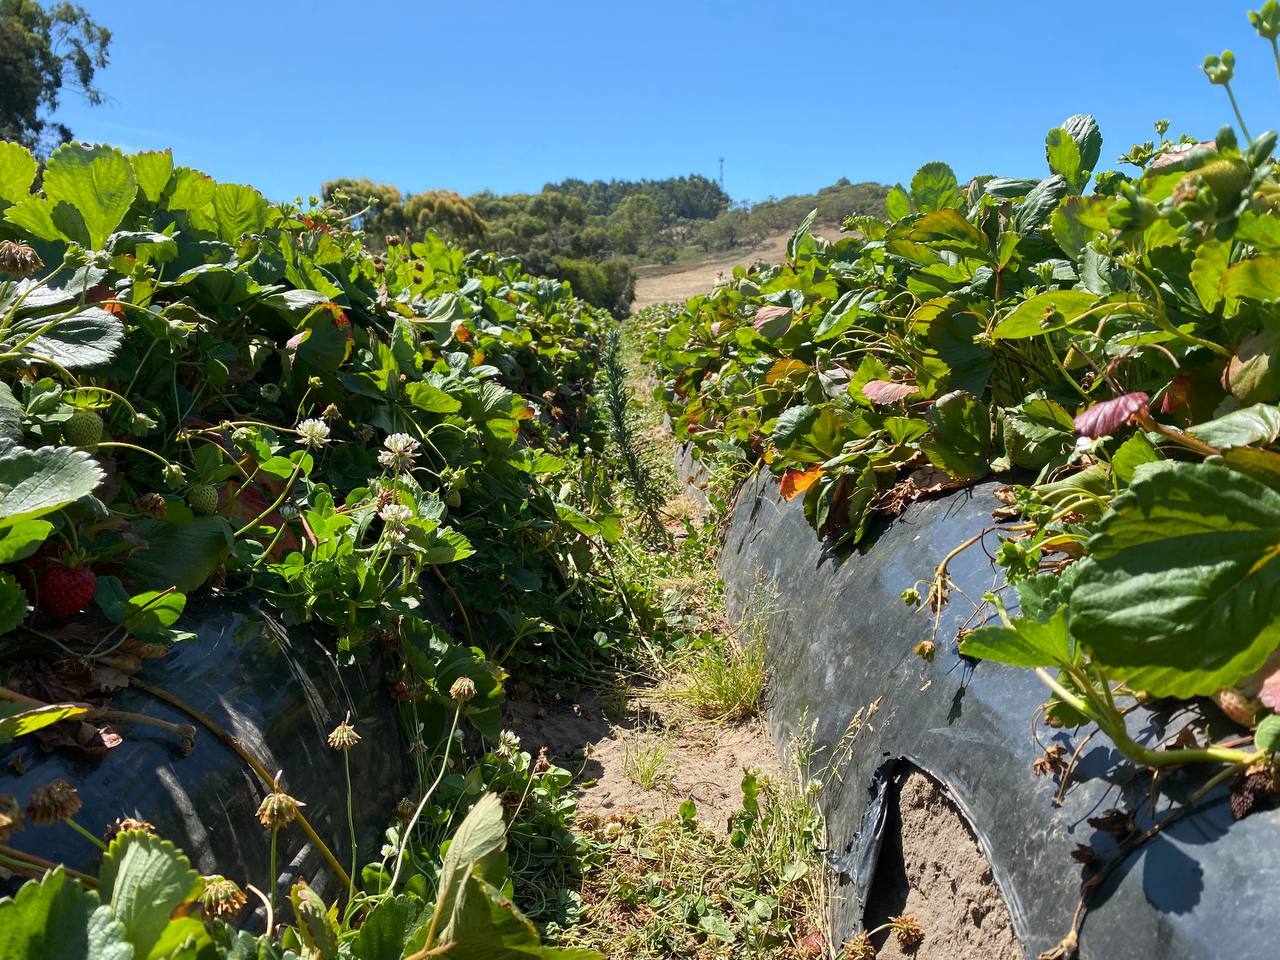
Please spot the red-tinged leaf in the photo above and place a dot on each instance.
(772, 321)
(796, 482)
(1104, 419)
(1177, 395)
(887, 392)
(1270, 694)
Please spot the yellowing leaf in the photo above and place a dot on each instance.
(796, 482)
(785, 370)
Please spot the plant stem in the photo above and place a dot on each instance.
(297, 468)
(413, 821)
(271, 876)
(351, 827)
(135, 448)
(39, 865)
(85, 833)
(238, 749)
(1236, 107)
(1113, 726)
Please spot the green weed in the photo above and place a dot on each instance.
(646, 760)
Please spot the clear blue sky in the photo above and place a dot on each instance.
(510, 94)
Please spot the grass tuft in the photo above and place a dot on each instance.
(725, 680)
(646, 761)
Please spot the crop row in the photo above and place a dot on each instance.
(205, 393)
(1111, 353)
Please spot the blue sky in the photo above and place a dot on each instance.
(508, 95)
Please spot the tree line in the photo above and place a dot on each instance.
(593, 232)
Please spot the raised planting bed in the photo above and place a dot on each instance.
(841, 641)
(279, 694)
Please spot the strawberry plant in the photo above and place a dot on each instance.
(202, 392)
(148, 901)
(1104, 340)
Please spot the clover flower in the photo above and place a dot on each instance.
(395, 519)
(313, 433)
(401, 450)
(508, 744)
(859, 948)
(908, 931)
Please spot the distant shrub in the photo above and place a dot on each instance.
(610, 284)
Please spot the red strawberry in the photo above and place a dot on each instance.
(66, 590)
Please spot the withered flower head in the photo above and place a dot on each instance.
(18, 259)
(221, 898)
(278, 809)
(344, 735)
(124, 825)
(53, 802)
(152, 504)
(542, 764)
(859, 948)
(10, 816)
(463, 690)
(908, 931)
(404, 810)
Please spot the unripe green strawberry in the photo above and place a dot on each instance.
(83, 429)
(1227, 178)
(203, 499)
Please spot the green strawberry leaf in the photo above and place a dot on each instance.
(1180, 591)
(36, 482)
(145, 879)
(59, 917)
(17, 719)
(1024, 643)
(91, 189)
(17, 172)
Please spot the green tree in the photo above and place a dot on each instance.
(446, 214)
(43, 51)
(633, 226)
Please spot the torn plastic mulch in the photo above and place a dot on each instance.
(280, 693)
(840, 638)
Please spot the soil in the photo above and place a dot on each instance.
(678, 283)
(590, 738)
(931, 868)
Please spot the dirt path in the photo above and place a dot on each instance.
(679, 283)
(700, 761)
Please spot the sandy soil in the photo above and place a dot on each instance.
(931, 868)
(677, 284)
(705, 762)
